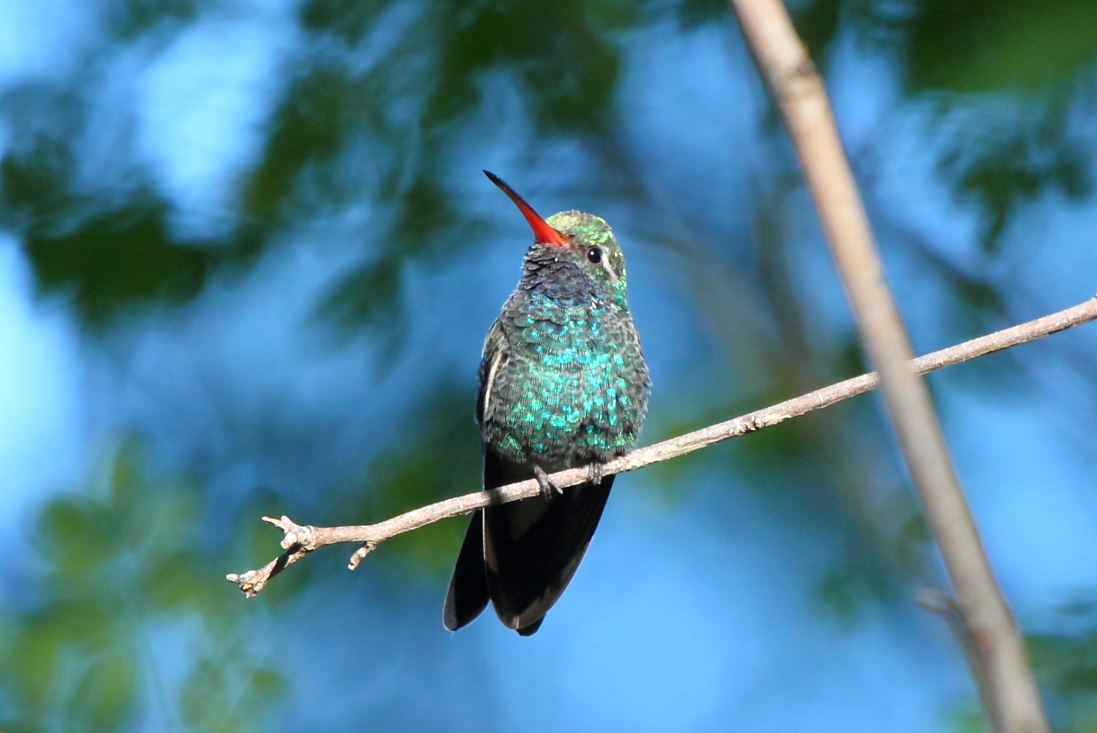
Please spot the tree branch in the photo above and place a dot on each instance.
(300, 540)
(1001, 663)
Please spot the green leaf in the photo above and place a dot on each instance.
(106, 696)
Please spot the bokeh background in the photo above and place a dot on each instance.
(247, 260)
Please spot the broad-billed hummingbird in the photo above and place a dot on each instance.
(563, 384)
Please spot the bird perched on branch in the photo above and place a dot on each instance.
(563, 384)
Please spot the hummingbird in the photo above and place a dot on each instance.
(563, 383)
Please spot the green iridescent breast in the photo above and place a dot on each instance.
(564, 378)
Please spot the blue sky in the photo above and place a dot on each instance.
(713, 625)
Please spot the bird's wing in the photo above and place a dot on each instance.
(468, 590)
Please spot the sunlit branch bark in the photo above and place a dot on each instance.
(1000, 663)
(299, 540)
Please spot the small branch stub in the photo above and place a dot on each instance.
(297, 542)
(295, 534)
(360, 554)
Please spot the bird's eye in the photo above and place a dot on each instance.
(594, 254)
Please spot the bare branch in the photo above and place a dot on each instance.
(299, 540)
(798, 90)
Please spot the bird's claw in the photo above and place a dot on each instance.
(594, 473)
(548, 488)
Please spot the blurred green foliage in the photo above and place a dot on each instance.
(108, 258)
(126, 568)
(983, 46)
(379, 107)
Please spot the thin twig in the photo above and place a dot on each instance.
(798, 90)
(300, 540)
(945, 606)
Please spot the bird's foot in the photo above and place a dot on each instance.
(594, 473)
(548, 488)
